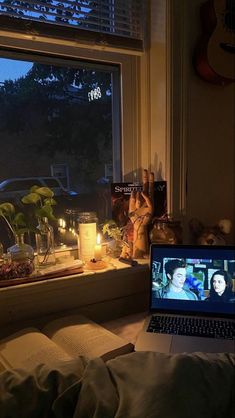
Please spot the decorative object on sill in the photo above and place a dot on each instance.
(68, 227)
(96, 264)
(42, 201)
(140, 213)
(210, 235)
(120, 195)
(16, 269)
(16, 221)
(128, 261)
(19, 260)
(20, 256)
(113, 231)
(166, 231)
(160, 199)
(87, 235)
(45, 243)
(21, 251)
(8, 272)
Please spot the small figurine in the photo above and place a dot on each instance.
(140, 214)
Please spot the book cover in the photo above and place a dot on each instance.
(120, 194)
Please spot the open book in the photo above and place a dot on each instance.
(63, 339)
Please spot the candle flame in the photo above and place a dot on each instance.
(62, 223)
(98, 239)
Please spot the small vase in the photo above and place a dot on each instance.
(21, 251)
(45, 244)
(20, 258)
(115, 248)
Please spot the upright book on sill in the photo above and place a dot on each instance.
(62, 339)
(120, 195)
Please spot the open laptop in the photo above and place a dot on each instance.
(188, 311)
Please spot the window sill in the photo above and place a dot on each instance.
(102, 295)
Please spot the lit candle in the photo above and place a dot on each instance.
(62, 224)
(98, 249)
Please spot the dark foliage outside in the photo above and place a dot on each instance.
(47, 114)
(46, 118)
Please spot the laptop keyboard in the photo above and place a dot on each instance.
(197, 327)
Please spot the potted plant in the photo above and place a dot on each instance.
(16, 222)
(42, 201)
(20, 253)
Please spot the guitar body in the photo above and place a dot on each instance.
(214, 58)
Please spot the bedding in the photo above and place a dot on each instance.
(136, 385)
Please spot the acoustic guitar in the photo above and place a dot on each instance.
(214, 57)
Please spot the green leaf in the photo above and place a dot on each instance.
(50, 202)
(34, 189)
(7, 209)
(30, 198)
(19, 219)
(112, 229)
(45, 212)
(45, 191)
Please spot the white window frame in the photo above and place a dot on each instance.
(128, 161)
(150, 93)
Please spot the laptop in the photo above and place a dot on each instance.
(192, 300)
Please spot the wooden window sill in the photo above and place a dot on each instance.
(108, 294)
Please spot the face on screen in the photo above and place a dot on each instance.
(201, 279)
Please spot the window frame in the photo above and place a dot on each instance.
(128, 158)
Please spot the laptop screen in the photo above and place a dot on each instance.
(193, 279)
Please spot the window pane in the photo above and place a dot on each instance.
(56, 124)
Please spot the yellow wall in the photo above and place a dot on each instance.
(192, 121)
(210, 138)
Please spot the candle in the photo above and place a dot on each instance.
(87, 235)
(61, 222)
(98, 249)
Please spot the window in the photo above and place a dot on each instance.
(60, 112)
(124, 67)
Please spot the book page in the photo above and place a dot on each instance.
(78, 335)
(28, 348)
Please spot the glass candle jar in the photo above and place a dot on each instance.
(87, 235)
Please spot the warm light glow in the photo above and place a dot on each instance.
(97, 249)
(62, 223)
(98, 239)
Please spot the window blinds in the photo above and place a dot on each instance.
(108, 22)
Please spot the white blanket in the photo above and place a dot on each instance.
(136, 385)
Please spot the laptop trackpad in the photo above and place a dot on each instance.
(190, 344)
(148, 341)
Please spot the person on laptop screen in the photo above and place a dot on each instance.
(221, 287)
(175, 288)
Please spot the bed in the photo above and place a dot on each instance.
(136, 385)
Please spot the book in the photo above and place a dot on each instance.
(63, 339)
(120, 195)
